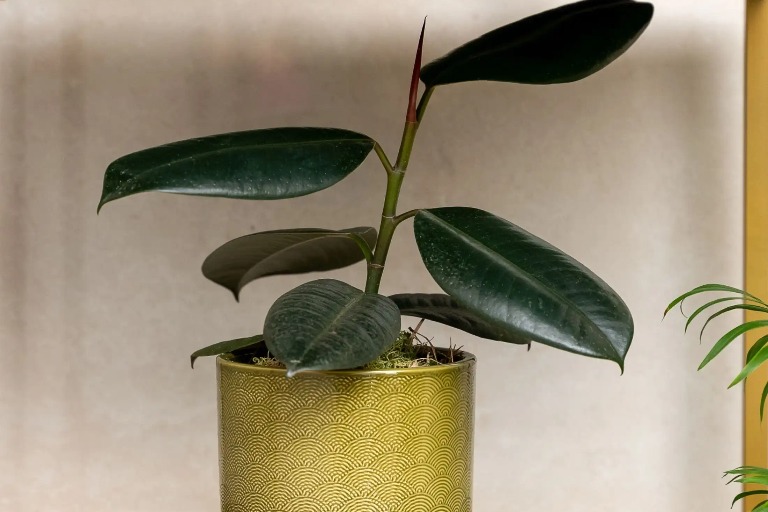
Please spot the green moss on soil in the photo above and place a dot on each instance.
(404, 353)
(408, 351)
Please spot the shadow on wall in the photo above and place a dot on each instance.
(73, 106)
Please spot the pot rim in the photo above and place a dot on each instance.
(467, 361)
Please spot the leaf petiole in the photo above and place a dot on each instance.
(423, 102)
(383, 157)
(363, 245)
(405, 216)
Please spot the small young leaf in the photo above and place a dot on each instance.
(224, 347)
(411, 115)
(285, 251)
(446, 310)
(556, 46)
(329, 325)
(276, 163)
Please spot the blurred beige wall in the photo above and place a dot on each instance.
(636, 171)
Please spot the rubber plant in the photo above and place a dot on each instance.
(757, 355)
(501, 282)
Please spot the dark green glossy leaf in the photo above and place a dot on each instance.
(556, 46)
(262, 164)
(521, 284)
(287, 251)
(330, 325)
(224, 347)
(446, 310)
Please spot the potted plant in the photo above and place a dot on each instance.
(307, 421)
(756, 357)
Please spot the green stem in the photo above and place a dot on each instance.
(389, 212)
(423, 102)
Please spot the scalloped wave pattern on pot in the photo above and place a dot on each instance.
(346, 441)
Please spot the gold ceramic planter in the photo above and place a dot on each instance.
(347, 441)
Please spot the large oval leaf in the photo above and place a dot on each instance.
(330, 325)
(262, 164)
(556, 46)
(522, 284)
(446, 310)
(287, 251)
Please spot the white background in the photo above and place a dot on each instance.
(636, 172)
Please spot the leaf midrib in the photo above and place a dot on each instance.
(158, 167)
(506, 47)
(329, 234)
(347, 306)
(496, 256)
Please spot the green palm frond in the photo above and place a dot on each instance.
(756, 357)
(758, 353)
(750, 475)
(712, 288)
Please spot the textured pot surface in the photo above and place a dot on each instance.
(353, 441)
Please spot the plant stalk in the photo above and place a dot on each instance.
(395, 175)
(389, 212)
